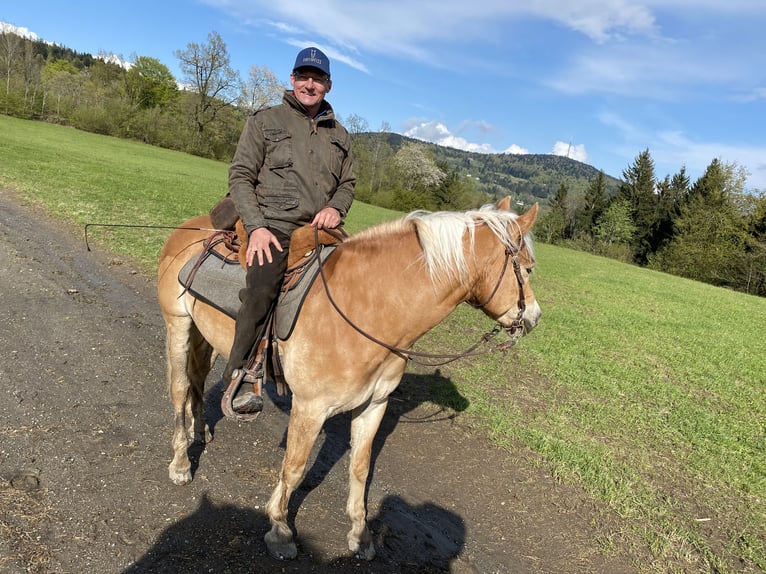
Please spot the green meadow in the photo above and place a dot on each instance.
(647, 391)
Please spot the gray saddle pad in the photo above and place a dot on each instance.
(217, 282)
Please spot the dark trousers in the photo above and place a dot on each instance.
(261, 291)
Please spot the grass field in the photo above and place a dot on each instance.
(647, 390)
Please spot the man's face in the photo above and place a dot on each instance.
(310, 86)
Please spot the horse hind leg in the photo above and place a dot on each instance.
(198, 366)
(184, 350)
(364, 425)
(302, 432)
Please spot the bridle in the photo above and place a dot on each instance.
(513, 256)
(515, 330)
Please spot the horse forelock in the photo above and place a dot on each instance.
(441, 236)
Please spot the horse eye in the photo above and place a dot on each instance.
(529, 270)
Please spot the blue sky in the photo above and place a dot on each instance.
(599, 80)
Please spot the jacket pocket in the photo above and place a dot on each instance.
(276, 203)
(279, 153)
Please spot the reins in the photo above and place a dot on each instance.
(515, 331)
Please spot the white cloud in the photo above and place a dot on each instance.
(576, 152)
(438, 133)
(408, 29)
(19, 31)
(655, 47)
(516, 149)
(599, 20)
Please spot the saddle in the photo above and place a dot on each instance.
(217, 275)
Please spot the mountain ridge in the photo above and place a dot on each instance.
(528, 177)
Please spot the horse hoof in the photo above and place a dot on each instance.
(365, 553)
(180, 478)
(281, 550)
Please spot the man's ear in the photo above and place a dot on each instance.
(329, 86)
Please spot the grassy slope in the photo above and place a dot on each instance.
(646, 389)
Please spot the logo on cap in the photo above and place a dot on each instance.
(313, 57)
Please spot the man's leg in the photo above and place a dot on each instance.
(262, 288)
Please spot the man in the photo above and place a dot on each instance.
(292, 167)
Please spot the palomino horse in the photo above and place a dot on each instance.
(394, 281)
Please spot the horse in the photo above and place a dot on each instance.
(381, 290)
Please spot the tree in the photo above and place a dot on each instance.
(711, 234)
(61, 79)
(637, 188)
(594, 204)
(456, 192)
(261, 89)
(10, 51)
(150, 84)
(753, 263)
(380, 153)
(671, 195)
(420, 177)
(356, 124)
(556, 224)
(212, 81)
(614, 230)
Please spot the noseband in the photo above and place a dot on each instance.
(518, 323)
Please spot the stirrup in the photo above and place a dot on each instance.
(254, 376)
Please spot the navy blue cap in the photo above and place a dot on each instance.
(312, 58)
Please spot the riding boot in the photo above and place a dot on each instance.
(248, 397)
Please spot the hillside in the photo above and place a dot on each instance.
(527, 177)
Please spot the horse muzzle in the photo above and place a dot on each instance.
(520, 322)
(532, 315)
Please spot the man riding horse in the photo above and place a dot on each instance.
(292, 167)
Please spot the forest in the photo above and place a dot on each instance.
(711, 230)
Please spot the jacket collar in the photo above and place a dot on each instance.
(325, 110)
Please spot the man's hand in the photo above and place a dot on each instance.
(328, 218)
(259, 245)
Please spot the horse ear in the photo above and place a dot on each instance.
(504, 204)
(528, 219)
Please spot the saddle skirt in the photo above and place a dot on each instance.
(218, 274)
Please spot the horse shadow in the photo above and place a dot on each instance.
(224, 537)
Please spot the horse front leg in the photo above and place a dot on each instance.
(177, 355)
(302, 432)
(364, 425)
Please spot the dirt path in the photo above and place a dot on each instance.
(85, 425)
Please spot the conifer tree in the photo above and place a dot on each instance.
(594, 204)
(710, 232)
(637, 188)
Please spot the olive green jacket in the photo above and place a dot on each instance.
(289, 166)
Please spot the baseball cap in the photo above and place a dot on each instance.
(312, 58)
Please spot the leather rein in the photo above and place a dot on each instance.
(515, 330)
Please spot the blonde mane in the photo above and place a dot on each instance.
(441, 234)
